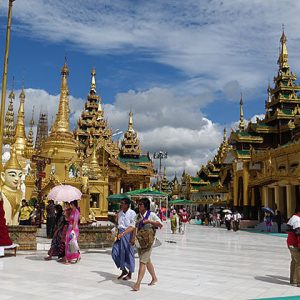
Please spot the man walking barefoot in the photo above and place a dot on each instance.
(123, 250)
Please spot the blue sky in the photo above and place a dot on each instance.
(180, 65)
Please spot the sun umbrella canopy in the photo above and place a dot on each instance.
(268, 210)
(227, 211)
(64, 193)
(180, 202)
(117, 197)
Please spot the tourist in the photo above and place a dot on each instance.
(293, 243)
(236, 218)
(278, 219)
(50, 209)
(72, 235)
(25, 213)
(59, 236)
(184, 218)
(227, 219)
(268, 221)
(173, 218)
(146, 224)
(123, 248)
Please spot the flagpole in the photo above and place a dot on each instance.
(4, 78)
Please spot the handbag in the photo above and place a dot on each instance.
(145, 238)
(73, 245)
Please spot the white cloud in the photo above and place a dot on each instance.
(223, 41)
(168, 122)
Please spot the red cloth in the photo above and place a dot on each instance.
(292, 239)
(184, 217)
(4, 236)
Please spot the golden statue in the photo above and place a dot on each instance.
(10, 188)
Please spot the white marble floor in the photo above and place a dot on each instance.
(205, 263)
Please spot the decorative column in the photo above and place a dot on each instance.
(277, 197)
(235, 185)
(264, 196)
(118, 191)
(290, 199)
(245, 184)
(253, 197)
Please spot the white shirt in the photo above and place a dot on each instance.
(126, 219)
(294, 221)
(228, 217)
(152, 217)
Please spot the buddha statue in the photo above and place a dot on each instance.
(10, 188)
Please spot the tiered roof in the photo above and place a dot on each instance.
(130, 143)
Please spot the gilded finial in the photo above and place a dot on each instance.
(224, 135)
(242, 122)
(13, 162)
(130, 123)
(283, 55)
(93, 81)
(12, 94)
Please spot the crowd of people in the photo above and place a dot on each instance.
(136, 230)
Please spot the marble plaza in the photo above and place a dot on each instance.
(205, 263)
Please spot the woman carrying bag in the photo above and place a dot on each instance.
(146, 225)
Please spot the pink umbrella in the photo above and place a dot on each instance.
(64, 193)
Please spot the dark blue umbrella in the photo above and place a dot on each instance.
(268, 210)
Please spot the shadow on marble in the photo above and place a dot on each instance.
(113, 278)
(35, 257)
(107, 251)
(274, 279)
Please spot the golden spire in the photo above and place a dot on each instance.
(93, 81)
(29, 143)
(13, 162)
(242, 122)
(224, 135)
(61, 123)
(9, 131)
(283, 56)
(130, 123)
(20, 136)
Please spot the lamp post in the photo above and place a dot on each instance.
(4, 77)
(160, 155)
(41, 163)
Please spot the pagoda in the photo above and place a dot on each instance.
(130, 143)
(263, 161)
(92, 124)
(207, 186)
